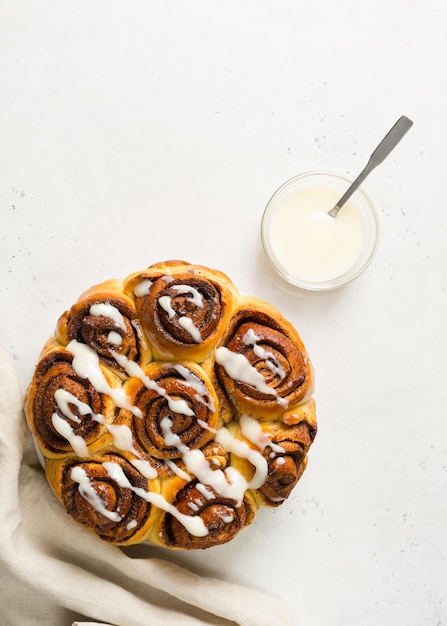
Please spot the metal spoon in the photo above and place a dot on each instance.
(389, 142)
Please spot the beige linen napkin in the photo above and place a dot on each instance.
(54, 572)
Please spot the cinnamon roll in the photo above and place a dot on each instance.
(65, 412)
(107, 495)
(177, 407)
(105, 319)
(284, 448)
(221, 517)
(261, 361)
(183, 308)
(169, 408)
(286, 456)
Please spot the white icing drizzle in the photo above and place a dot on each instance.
(206, 426)
(66, 431)
(170, 438)
(63, 400)
(177, 470)
(193, 524)
(250, 339)
(105, 309)
(88, 492)
(114, 338)
(206, 493)
(137, 329)
(165, 303)
(123, 440)
(185, 322)
(280, 460)
(143, 288)
(242, 450)
(195, 296)
(228, 483)
(131, 524)
(203, 394)
(239, 368)
(134, 370)
(86, 365)
(251, 429)
(145, 468)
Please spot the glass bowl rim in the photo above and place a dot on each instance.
(364, 260)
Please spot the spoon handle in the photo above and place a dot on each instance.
(387, 144)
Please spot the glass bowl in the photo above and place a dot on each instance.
(306, 246)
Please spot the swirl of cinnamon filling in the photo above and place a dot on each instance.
(262, 363)
(106, 320)
(103, 493)
(222, 517)
(64, 411)
(183, 312)
(179, 409)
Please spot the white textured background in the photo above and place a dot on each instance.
(133, 132)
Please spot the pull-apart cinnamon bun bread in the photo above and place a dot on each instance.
(169, 408)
